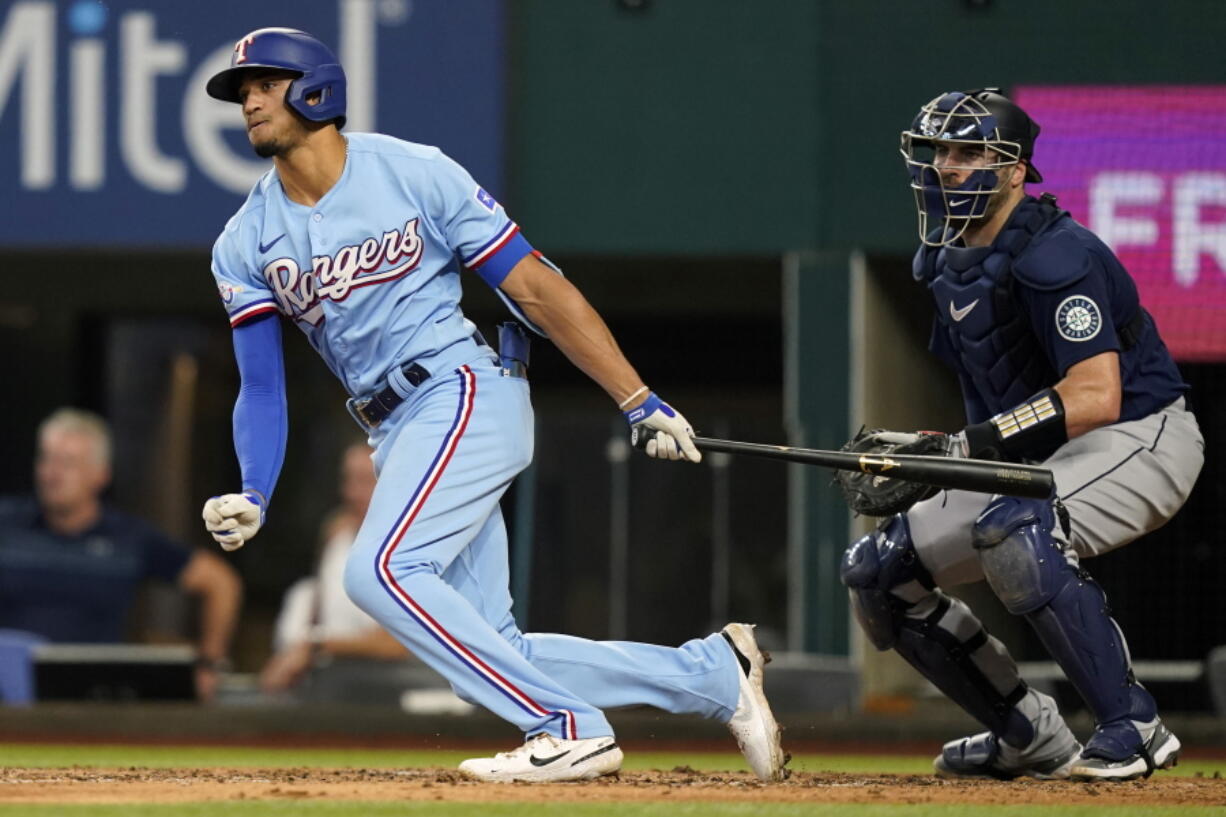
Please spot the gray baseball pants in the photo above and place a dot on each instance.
(1118, 482)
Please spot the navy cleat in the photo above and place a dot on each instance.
(1110, 755)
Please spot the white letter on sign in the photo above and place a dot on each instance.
(1192, 236)
(143, 58)
(27, 45)
(1108, 191)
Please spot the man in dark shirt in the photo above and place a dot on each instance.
(70, 566)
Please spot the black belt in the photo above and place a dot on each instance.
(372, 410)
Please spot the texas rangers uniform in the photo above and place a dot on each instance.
(371, 275)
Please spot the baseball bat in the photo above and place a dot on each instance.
(984, 476)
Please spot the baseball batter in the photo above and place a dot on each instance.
(1058, 363)
(360, 240)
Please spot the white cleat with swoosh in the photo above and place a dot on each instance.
(546, 759)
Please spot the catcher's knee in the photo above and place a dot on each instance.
(1022, 560)
(874, 565)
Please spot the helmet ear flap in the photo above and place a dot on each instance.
(326, 81)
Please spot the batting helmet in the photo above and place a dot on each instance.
(287, 49)
(983, 117)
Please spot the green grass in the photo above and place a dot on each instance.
(170, 757)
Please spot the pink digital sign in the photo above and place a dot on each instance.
(1145, 169)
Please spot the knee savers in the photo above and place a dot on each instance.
(1022, 561)
(871, 567)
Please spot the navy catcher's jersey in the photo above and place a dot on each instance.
(370, 273)
(1075, 296)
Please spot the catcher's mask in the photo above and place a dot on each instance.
(983, 117)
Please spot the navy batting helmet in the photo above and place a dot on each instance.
(287, 49)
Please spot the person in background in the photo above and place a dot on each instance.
(317, 619)
(71, 565)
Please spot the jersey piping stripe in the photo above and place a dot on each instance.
(251, 310)
(492, 246)
(468, 391)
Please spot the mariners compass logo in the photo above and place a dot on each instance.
(1078, 318)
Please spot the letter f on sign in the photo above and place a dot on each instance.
(1108, 192)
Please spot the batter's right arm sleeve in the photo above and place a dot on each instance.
(260, 414)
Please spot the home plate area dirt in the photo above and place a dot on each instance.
(135, 785)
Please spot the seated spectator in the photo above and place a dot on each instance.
(317, 620)
(71, 565)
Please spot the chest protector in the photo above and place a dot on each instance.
(986, 326)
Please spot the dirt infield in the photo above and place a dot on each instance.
(134, 785)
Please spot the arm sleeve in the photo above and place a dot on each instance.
(474, 223)
(260, 416)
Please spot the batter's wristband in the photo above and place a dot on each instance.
(622, 405)
(259, 500)
(1030, 430)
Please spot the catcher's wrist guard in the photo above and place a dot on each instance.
(875, 495)
(1032, 430)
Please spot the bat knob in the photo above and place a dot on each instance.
(639, 435)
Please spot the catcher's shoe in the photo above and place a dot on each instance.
(1107, 757)
(752, 723)
(1048, 756)
(546, 759)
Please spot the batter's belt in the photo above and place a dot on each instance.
(372, 409)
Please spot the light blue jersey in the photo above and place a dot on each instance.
(371, 273)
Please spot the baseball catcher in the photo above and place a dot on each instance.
(1059, 364)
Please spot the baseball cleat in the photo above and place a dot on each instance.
(1101, 759)
(752, 723)
(1048, 755)
(986, 756)
(546, 759)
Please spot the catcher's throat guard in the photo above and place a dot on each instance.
(974, 119)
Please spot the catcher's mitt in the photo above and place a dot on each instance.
(874, 495)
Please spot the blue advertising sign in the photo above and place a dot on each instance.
(107, 137)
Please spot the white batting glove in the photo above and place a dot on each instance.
(233, 518)
(672, 439)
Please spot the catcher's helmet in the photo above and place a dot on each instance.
(981, 117)
(288, 49)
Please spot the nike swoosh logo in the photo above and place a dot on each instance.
(958, 203)
(959, 314)
(266, 247)
(545, 761)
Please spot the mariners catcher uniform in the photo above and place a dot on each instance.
(1011, 319)
(371, 276)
